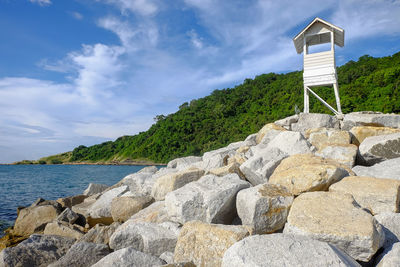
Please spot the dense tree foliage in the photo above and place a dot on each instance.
(231, 114)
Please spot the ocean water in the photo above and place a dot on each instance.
(20, 185)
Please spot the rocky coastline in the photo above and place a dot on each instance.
(307, 190)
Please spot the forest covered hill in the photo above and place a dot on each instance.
(230, 115)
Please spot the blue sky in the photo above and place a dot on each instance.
(85, 71)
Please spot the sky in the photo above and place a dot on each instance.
(81, 72)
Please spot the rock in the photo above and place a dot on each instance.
(140, 183)
(83, 208)
(391, 226)
(306, 173)
(359, 133)
(250, 140)
(314, 120)
(344, 154)
(122, 208)
(374, 194)
(100, 234)
(68, 216)
(180, 264)
(82, 254)
(211, 199)
(205, 244)
(171, 182)
(183, 163)
(287, 122)
(37, 250)
(68, 202)
(284, 250)
(102, 207)
(149, 169)
(149, 238)
(94, 189)
(260, 167)
(64, 229)
(320, 137)
(337, 219)
(155, 213)
(264, 208)
(35, 218)
(291, 143)
(386, 169)
(390, 258)
(230, 168)
(379, 148)
(168, 257)
(129, 257)
(264, 130)
(239, 157)
(218, 158)
(368, 118)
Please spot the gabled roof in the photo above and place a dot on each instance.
(318, 26)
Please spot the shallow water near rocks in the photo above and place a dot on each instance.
(20, 185)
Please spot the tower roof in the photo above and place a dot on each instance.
(318, 27)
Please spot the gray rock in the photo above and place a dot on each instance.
(82, 254)
(291, 143)
(68, 216)
(344, 154)
(314, 120)
(210, 199)
(284, 250)
(122, 208)
(94, 189)
(37, 250)
(102, 206)
(100, 234)
(391, 226)
(390, 258)
(218, 158)
(168, 257)
(64, 229)
(156, 213)
(376, 149)
(288, 121)
(129, 257)
(250, 140)
(386, 169)
(258, 168)
(139, 183)
(264, 208)
(149, 238)
(148, 169)
(368, 118)
(183, 163)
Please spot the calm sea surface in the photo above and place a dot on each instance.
(20, 185)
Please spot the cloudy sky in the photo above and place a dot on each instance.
(86, 71)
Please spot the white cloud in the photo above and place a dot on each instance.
(194, 38)
(142, 7)
(76, 15)
(41, 2)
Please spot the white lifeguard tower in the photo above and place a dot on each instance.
(320, 67)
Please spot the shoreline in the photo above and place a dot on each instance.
(88, 163)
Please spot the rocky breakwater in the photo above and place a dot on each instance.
(307, 190)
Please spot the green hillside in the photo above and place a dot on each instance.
(229, 115)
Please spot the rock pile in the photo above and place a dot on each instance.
(307, 190)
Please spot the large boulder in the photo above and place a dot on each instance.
(386, 169)
(291, 143)
(140, 183)
(284, 250)
(287, 122)
(305, 173)
(68, 216)
(149, 238)
(183, 163)
(264, 208)
(156, 213)
(64, 229)
(375, 194)
(368, 118)
(94, 189)
(359, 133)
(100, 234)
(68, 202)
(233, 167)
(205, 244)
(37, 250)
(122, 208)
(34, 218)
(102, 207)
(391, 226)
(82, 254)
(336, 218)
(314, 120)
(267, 128)
(211, 199)
(260, 167)
(173, 181)
(379, 148)
(218, 158)
(320, 137)
(390, 258)
(344, 154)
(129, 257)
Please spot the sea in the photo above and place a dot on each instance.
(20, 185)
